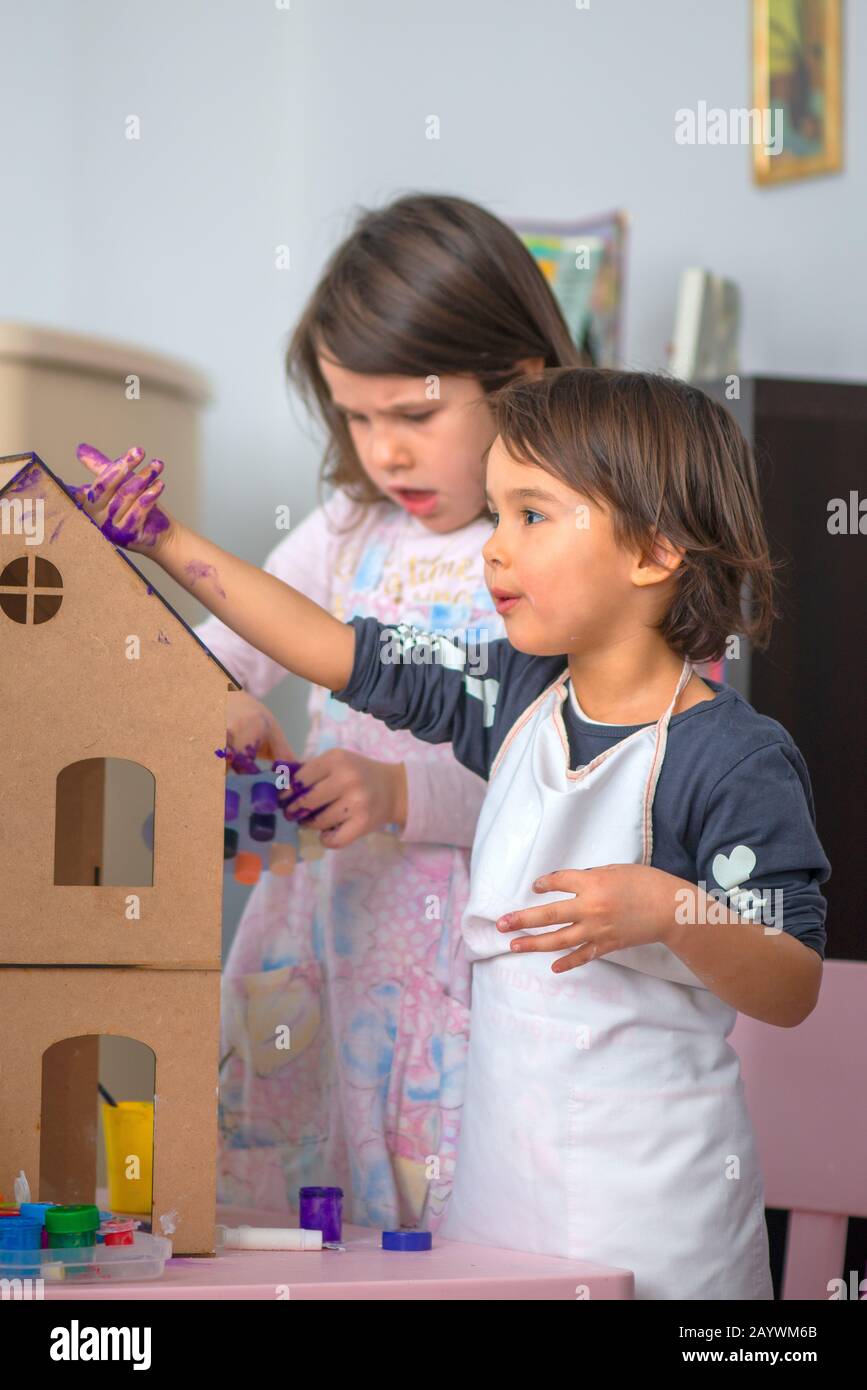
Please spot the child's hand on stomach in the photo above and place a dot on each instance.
(121, 501)
(615, 906)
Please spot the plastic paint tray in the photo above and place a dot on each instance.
(90, 1264)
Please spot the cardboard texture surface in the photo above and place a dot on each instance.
(68, 1140)
(174, 1012)
(70, 692)
(109, 672)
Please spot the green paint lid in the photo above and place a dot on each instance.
(75, 1218)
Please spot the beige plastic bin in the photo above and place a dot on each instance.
(58, 388)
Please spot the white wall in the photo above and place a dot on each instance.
(262, 126)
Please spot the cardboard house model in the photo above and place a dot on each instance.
(95, 665)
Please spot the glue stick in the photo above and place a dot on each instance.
(267, 1238)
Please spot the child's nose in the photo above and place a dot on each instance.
(493, 551)
(386, 450)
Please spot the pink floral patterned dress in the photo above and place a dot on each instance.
(358, 952)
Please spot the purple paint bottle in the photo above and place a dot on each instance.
(263, 798)
(321, 1209)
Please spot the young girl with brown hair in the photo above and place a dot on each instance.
(427, 306)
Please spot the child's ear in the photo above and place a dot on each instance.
(657, 564)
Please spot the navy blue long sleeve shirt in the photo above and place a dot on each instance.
(731, 778)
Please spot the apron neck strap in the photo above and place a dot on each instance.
(682, 682)
(660, 743)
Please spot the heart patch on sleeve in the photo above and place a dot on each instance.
(730, 870)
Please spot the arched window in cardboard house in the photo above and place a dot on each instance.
(104, 824)
(97, 1122)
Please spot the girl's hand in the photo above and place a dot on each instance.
(121, 501)
(615, 906)
(352, 794)
(253, 733)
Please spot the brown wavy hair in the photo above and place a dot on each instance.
(668, 461)
(432, 284)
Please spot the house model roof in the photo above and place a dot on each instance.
(12, 469)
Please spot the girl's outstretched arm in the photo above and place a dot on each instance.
(277, 619)
(280, 621)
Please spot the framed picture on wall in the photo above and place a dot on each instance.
(584, 264)
(797, 77)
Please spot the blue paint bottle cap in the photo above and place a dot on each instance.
(406, 1240)
(35, 1211)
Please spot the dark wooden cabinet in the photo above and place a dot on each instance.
(810, 439)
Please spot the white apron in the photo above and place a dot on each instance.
(604, 1116)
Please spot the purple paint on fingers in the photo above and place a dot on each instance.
(242, 761)
(143, 522)
(93, 491)
(299, 788)
(97, 461)
(134, 530)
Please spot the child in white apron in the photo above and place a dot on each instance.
(605, 1116)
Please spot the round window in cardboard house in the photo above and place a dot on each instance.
(30, 590)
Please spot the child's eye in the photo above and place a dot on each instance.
(418, 418)
(494, 517)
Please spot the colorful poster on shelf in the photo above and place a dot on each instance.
(584, 264)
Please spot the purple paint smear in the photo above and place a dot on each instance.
(143, 523)
(197, 569)
(29, 478)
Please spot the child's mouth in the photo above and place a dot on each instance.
(505, 603)
(419, 501)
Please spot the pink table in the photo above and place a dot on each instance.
(364, 1271)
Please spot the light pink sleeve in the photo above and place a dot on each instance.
(443, 797)
(302, 559)
(443, 802)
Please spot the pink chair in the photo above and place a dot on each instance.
(806, 1089)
